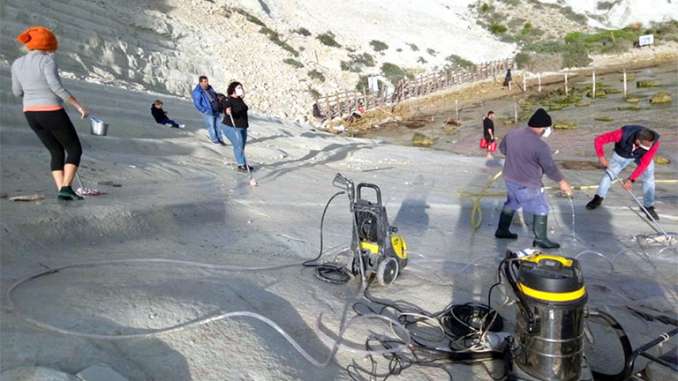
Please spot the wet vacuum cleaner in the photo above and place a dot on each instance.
(377, 248)
(549, 337)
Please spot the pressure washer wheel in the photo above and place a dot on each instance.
(387, 271)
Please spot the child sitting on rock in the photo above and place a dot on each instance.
(160, 115)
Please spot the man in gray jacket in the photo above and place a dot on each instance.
(528, 158)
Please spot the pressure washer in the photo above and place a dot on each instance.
(378, 250)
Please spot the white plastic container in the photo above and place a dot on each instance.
(97, 126)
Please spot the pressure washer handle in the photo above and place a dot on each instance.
(340, 181)
(371, 186)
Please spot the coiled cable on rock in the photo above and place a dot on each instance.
(328, 272)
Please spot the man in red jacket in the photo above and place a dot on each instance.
(631, 144)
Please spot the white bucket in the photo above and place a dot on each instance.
(97, 126)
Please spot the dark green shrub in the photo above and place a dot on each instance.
(457, 61)
(522, 60)
(275, 38)
(314, 93)
(414, 47)
(327, 38)
(393, 72)
(249, 17)
(422, 60)
(293, 62)
(302, 31)
(575, 55)
(361, 86)
(315, 74)
(378, 46)
(497, 28)
(431, 52)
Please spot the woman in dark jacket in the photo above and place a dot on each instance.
(235, 123)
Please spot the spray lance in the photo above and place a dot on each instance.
(654, 223)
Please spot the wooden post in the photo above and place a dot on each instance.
(593, 87)
(625, 93)
(566, 90)
(524, 82)
(539, 80)
(456, 108)
(509, 84)
(515, 111)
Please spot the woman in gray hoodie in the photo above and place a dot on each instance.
(35, 78)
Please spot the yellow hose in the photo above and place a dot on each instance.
(476, 212)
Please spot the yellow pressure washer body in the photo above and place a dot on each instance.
(550, 320)
(376, 245)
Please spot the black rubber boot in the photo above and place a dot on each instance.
(651, 213)
(505, 220)
(67, 193)
(596, 202)
(541, 233)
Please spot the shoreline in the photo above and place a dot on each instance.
(491, 89)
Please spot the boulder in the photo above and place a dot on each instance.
(421, 140)
(604, 119)
(631, 99)
(564, 125)
(453, 122)
(661, 97)
(645, 83)
(661, 160)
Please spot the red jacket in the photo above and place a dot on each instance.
(616, 137)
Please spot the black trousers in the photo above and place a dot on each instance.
(56, 132)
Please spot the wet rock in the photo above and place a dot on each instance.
(582, 104)
(631, 99)
(564, 125)
(453, 122)
(629, 108)
(661, 97)
(600, 93)
(604, 119)
(645, 84)
(414, 123)
(661, 160)
(421, 140)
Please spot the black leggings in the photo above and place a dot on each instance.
(55, 130)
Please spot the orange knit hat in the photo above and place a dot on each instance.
(38, 38)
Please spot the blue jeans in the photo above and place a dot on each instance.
(170, 122)
(238, 138)
(616, 164)
(532, 200)
(212, 123)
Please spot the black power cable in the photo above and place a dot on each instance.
(328, 272)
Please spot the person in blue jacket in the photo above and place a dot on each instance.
(205, 101)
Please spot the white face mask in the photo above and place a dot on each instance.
(547, 132)
(240, 92)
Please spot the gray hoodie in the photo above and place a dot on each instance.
(35, 78)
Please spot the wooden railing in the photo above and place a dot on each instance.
(345, 103)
